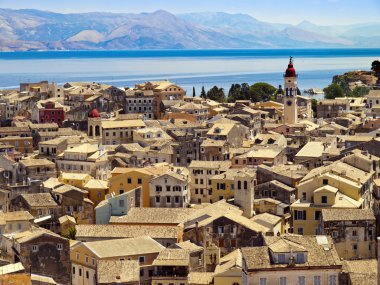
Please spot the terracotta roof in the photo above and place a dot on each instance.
(118, 271)
(124, 247)
(329, 215)
(153, 216)
(320, 252)
(172, 257)
(126, 231)
(39, 200)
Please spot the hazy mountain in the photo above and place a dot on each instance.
(41, 30)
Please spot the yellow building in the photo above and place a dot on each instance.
(339, 185)
(85, 256)
(229, 269)
(97, 190)
(74, 179)
(225, 184)
(127, 179)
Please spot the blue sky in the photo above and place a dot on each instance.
(285, 11)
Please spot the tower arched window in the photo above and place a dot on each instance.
(239, 185)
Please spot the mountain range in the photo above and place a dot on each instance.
(22, 30)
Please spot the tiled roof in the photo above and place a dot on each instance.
(126, 231)
(329, 215)
(124, 247)
(118, 271)
(39, 200)
(153, 216)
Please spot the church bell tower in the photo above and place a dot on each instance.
(290, 96)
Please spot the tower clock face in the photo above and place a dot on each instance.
(289, 103)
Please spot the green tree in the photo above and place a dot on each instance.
(376, 67)
(71, 233)
(314, 103)
(359, 92)
(262, 91)
(333, 91)
(234, 93)
(216, 94)
(193, 91)
(203, 93)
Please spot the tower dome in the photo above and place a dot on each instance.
(94, 113)
(290, 71)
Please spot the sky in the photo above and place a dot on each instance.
(322, 12)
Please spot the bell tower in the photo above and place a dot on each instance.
(290, 96)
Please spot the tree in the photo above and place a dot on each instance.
(333, 91)
(234, 93)
(262, 91)
(203, 93)
(193, 91)
(376, 67)
(359, 92)
(314, 103)
(216, 94)
(71, 233)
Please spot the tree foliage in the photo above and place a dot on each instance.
(359, 92)
(333, 91)
(71, 233)
(260, 91)
(376, 67)
(216, 94)
(194, 91)
(203, 93)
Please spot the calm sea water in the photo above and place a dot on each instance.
(189, 68)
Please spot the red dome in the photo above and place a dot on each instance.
(290, 71)
(94, 114)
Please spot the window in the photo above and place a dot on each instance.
(158, 199)
(129, 180)
(86, 259)
(317, 280)
(332, 280)
(141, 259)
(167, 199)
(93, 261)
(301, 280)
(73, 270)
(80, 271)
(299, 215)
(354, 246)
(158, 188)
(34, 248)
(281, 258)
(317, 215)
(303, 196)
(324, 199)
(282, 280)
(121, 203)
(87, 274)
(167, 188)
(325, 181)
(263, 281)
(220, 230)
(354, 233)
(59, 246)
(78, 256)
(300, 258)
(139, 181)
(300, 231)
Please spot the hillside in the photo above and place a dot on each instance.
(41, 30)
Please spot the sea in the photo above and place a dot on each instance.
(188, 68)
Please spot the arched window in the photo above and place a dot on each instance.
(239, 185)
(245, 185)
